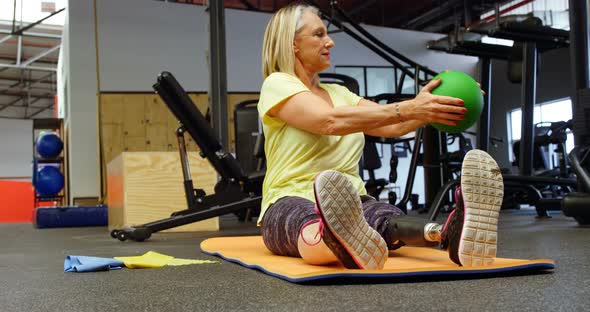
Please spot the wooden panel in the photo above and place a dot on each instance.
(156, 112)
(201, 100)
(157, 139)
(134, 144)
(111, 129)
(152, 188)
(133, 109)
(112, 143)
(144, 116)
(143, 122)
(111, 108)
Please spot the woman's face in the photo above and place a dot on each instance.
(312, 44)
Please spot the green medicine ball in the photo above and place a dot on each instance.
(460, 85)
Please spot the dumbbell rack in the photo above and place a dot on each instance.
(56, 125)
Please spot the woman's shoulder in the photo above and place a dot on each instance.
(279, 80)
(280, 76)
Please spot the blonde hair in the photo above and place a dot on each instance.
(277, 49)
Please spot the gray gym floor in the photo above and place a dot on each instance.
(32, 277)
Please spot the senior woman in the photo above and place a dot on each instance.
(315, 205)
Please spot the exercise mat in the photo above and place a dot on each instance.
(405, 263)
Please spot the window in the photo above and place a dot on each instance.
(553, 13)
(560, 110)
(373, 80)
(356, 72)
(30, 11)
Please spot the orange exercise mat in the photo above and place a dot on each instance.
(404, 263)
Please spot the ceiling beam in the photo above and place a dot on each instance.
(38, 105)
(31, 60)
(34, 34)
(31, 44)
(38, 80)
(5, 39)
(47, 95)
(249, 5)
(15, 87)
(41, 79)
(42, 109)
(10, 87)
(360, 8)
(431, 15)
(12, 57)
(28, 67)
(20, 31)
(4, 106)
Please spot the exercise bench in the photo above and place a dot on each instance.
(234, 192)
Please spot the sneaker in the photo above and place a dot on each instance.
(345, 230)
(471, 231)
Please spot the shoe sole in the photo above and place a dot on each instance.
(342, 213)
(483, 190)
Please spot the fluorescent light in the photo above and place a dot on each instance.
(498, 41)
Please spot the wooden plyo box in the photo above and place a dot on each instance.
(144, 187)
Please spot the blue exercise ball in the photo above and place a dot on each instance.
(49, 145)
(49, 182)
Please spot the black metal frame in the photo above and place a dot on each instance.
(390, 98)
(252, 160)
(234, 192)
(433, 170)
(340, 19)
(218, 70)
(577, 204)
(536, 38)
(533, 35)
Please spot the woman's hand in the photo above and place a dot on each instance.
(483, 93)
(428, 107)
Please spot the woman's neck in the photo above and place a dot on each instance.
(309, 78)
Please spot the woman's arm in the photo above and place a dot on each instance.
(308, 111)
(393, 130)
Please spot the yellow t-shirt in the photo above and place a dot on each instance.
(295, 156)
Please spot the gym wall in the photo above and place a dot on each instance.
(16, 140)
(16, 169)
(80, 90)
(138, 39)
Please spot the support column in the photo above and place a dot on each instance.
(218, 71)
(483, 135)
(431, 164)
(529, 93)
(579, 42)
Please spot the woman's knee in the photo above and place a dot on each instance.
(282, 223)
(312, 248)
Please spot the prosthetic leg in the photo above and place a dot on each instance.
(412, 231)
(470, 232)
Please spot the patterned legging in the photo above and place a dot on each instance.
(283, 220)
